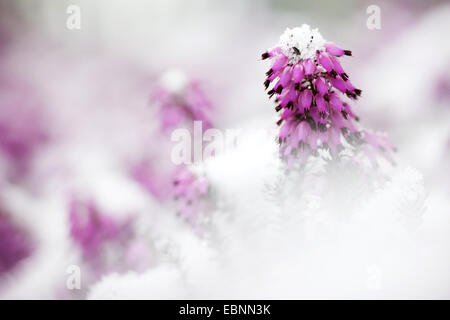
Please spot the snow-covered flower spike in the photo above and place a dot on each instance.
(313, 94)
(181, 101)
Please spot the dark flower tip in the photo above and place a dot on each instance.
(347, 52)
(322, 127)
(265, 55)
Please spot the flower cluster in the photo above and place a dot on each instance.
(181, 99)
(91, 230)
(22, 127)
(313, 94)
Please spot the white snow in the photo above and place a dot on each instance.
(305, 39)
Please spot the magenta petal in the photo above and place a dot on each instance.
(302, 131)
(321, 104)
(333, 49)
(274, 52)
(325, 61)
(287, 113)
(337, 66)
(339, 84)
(298, 73)
(285, 129)
(309, 66)
(336, 103)
(321, 86)
(305, 100)
(290, 96)
(285, 77)
(279, 63)
(349, 86)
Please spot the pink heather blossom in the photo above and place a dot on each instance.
(190, 190)
(22, 127)
(181, 101)
(152, 178)
(91, 230)
(313, 95)
(14, 244)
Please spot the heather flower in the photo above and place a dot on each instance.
(91, 229)
(14, 244)
(190, 190)
(181, 101)
(152, 178)
(107, 243)
(22, 127)
(313, 95)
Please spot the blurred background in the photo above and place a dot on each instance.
(85, 168)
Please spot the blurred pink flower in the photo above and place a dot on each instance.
(313, 94)
(22, 129)
(181, 101)
(14, 244)
(442, 87)
(152, 178)
(91, 229)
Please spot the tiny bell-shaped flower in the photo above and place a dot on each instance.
(313, 94)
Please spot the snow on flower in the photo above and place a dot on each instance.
(313, 95)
